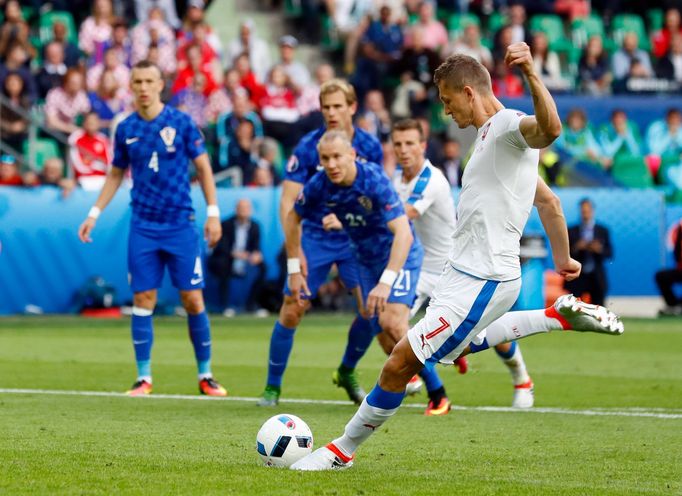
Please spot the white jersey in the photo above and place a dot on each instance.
(429, 193)
(498, 189)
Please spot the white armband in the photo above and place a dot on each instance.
(293, 265)
(94, 212)
(388, 277)
(213, 211)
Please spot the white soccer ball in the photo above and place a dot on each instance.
(283, 440)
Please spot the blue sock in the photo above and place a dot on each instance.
(476, 348)
(200, 334)
(281, 343)
(430, 377)
(509, 354)
(386, 400)
(143, 337)
(360, 337)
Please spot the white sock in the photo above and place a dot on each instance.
(516, 325)
(207, 375)
(517, 367)
(363, 424)
(147, 378)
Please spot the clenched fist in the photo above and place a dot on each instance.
(518, 54)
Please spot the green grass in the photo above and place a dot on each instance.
(112, 445)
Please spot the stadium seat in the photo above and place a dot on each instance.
(495, 22)
(292, 8)
(655, 19)
(626, 23)
(553, 27)
(330, 39)
(43, 149)
(631, 171)
(585, 27)
(457, 23)
(48, 19)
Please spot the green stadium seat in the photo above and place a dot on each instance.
(330, 39)
(28, 13)
(626, 23)
(582, 29)
(292, 8)
(47, 21)
(553, 27)
(43, 148)
(495, 22)
(655, 19)
(631, 171)
(457, 23)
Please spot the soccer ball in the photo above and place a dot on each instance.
(283, 440)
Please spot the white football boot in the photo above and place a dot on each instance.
(584, 317)
(414, 386)
(523, 395)
(327, 458)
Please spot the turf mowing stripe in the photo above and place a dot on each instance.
(657, 413)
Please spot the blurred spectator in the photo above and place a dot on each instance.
(380, 47)
(157, 32)
(594, 72)
(619, 137)
(410, 99)
(470, 44)
(13, 116)
(9, 172)
(419, 60)
(195, 15)
(89, 154)
(434, 147)
(262, 177)
(53, 68)
(434, 34)
(298, 73)
(51, 175)
(209, 57)
(503, 38)
(278, 108)
(120, 42)
(227, 124)
(505, 83)
(517, 21)
(195, 66)
(591, 246)
(630, 62)
(664, 136)
(248, 78)
(667, 278)
(96, 31)
(577, 140)
(308, 102)
(109, 99)
(65, 103)
(238, 255)
(220, 101)
(193, 101)
(550, 166)
(71, 51)
(547, 63)
(110, 63)
(256, 49)
(167, 8)
(14, 30)
(239, 161)
(670, 65)
(268, 160)
(376, 114)
(661, 39)
(451, 165)
(17, 62)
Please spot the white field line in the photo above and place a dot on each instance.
(658, 413)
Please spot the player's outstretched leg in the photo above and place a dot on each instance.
(143, 337)
(510, 354)
(360, 336)
(281, 344)
(379, 405)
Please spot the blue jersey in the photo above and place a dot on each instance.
(365, 208)
(159, 151)
(305, 163)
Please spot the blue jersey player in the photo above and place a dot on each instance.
(157, 142)
(381, 238)
(322, 245)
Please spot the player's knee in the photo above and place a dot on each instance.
(192, 301)
(145, 299)
(291, 313)
(392, 325)
(400, 367)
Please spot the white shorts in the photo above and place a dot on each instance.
(425, 286)
(461, 307)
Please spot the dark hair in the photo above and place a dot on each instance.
(460, 70)
(408, 124)
(147, 64)
(585, 200)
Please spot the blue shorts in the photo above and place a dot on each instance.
(320, 255)
(151, 250)
(404, 288)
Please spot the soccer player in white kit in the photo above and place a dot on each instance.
(482, 279)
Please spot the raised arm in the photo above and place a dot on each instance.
(400, 249)
(213, 231)
(111, 185)
(539, 130)
(554, 222)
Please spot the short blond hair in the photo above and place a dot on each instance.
(460, 70)
(334, 85)
(332, 135)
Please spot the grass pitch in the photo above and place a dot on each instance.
(608, 417)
